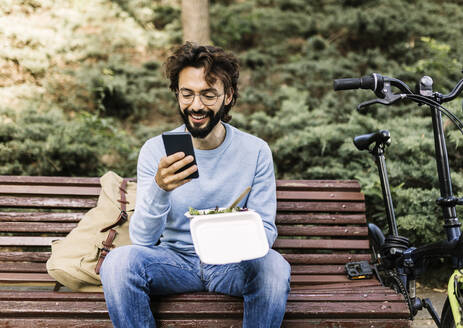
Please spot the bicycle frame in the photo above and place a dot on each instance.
(396, 255)
(406, 259)
(455, 279)
(447, 199)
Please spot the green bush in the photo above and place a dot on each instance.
(310, 128)
(128, 92)
(94, 74)
(35, 143)
(309, 144)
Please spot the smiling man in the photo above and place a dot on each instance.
(162, 259)
(199, 115)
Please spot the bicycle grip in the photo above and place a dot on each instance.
(365, 82)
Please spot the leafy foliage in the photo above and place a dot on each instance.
(86, 84)
(48, 144)
(310, 128)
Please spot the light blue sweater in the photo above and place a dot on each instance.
(242, 160)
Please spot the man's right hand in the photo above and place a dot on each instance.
(168, 165)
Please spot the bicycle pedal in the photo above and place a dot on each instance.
(359, 270)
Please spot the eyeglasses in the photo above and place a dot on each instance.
(207, 97)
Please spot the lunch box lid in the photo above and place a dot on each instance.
(228, 237)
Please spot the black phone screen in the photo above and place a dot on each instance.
(175, 142)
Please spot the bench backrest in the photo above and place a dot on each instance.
(321, 225)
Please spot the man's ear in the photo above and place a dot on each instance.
(229, 96)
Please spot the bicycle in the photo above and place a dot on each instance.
(395, 261)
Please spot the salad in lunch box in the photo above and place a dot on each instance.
(194, 212)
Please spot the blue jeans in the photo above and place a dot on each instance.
(131, 274)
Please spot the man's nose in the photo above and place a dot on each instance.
(197, 103)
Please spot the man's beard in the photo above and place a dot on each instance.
(197, 132)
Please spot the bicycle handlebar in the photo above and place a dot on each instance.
(454, 93)
(365, 82)
(376, 83)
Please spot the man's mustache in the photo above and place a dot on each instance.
(199, 112)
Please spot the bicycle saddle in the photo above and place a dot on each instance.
(364, 141)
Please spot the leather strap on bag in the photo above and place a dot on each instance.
(108, 243)
(123, 215)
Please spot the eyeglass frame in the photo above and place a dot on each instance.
(194, 94)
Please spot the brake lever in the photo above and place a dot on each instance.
(388, 100)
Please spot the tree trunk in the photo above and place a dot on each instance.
(195, 21)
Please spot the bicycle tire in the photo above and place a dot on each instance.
(447, 320)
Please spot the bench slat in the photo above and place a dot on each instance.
(15, 277)
(39, 295)
(347, 309)
(95, 191)
(68, 181)
(320, 206)
(296, 269)
(25, 277)
(351, 291)
(317, 269)
(338, 322)
(325, 258)
(293, 309)
(282, 230)
(291, 258)
(379, 309)
(322, 231)
(59, 308)
(379, 294)
(40, 217)
(318, 279)
(367, 295)
(49, 190)
(322, 244)
(320, 218)
(56, 323)
(320, 195)
(25, 267)
(281, 184)
(338, 185)
(281, 218)
(25, 256)
(354, 284)
(22, 267)
(203, 323)
(47, 202)
(27, 241)
(318, 185)
(279, 243)
(36, 227)
(341, 297)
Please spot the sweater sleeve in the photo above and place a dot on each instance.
(262, 197)
(152, 203)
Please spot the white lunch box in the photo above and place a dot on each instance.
(228, 237)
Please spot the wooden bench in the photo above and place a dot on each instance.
(321, 226)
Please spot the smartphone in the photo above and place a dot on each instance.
(175, 142)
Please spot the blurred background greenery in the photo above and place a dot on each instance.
(82, 87)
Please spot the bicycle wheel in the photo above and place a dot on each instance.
(447, 320)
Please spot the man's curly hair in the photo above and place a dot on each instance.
(217, 64)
